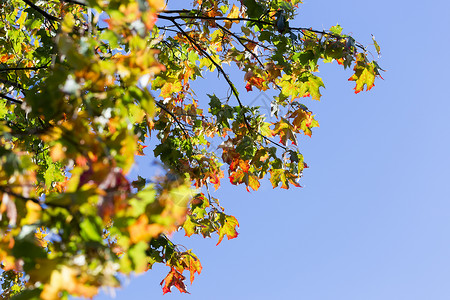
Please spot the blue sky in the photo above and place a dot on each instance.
(372, 220)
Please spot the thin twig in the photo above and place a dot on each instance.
(275, 143)
(302, 29)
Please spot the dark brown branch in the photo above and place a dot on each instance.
(41, 11)
(11, 83)
(177, 11)
(219, 69)
(227, 78)
(79, 2)
(10, 99)
(8, 191)
(301, 29)
(175, 118)
(275, 143)
(214, 19)
(8, 69)
(240, 42)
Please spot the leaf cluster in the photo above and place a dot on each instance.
(86, 85)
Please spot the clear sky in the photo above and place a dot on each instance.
(372, 220)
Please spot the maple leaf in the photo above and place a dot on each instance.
(40, 236)
(100, 110)
(191, 262)
(234, 13)
(377, 47)
(304, 120)
(174, 278)
(365, 74)
(242, 164)
(285, 130)
(170, 88)
(141, 230)
(228, 227)
(189, 226)
(283, 176)
(314, 83)
(237, 177)
(140, 149)
(253, 182)
(258, 82)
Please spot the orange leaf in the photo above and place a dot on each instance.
(234, 13)
(237, 177)
(174, 278)
(253, 182)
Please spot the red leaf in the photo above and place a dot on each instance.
(174, 278)
(248, 87)
(237, 177)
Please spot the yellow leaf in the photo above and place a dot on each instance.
(67, 279)
(21, 20)
(142, 231)
(33, 212)
(40, 236)
(157, 4)
(57, 152)
(234, 13)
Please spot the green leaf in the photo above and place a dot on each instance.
(254, 9)
(314, 83)
(53, 174)
(91, 229)
(189, 226)
(138, 256)
(337, 29)
(377, 47)
(28, 294)
(142, 199)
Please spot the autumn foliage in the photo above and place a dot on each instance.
(85, 85)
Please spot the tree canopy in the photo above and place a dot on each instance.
(85, 85)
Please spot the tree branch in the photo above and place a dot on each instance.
(79, 2)
(214, 19)
(8, 191)
(323, 32)
(11, 83)
(301, 29)
(10, 99)
(219, 69)
(175, 118)
(8, 69)
(41, 11)
(240, 42)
